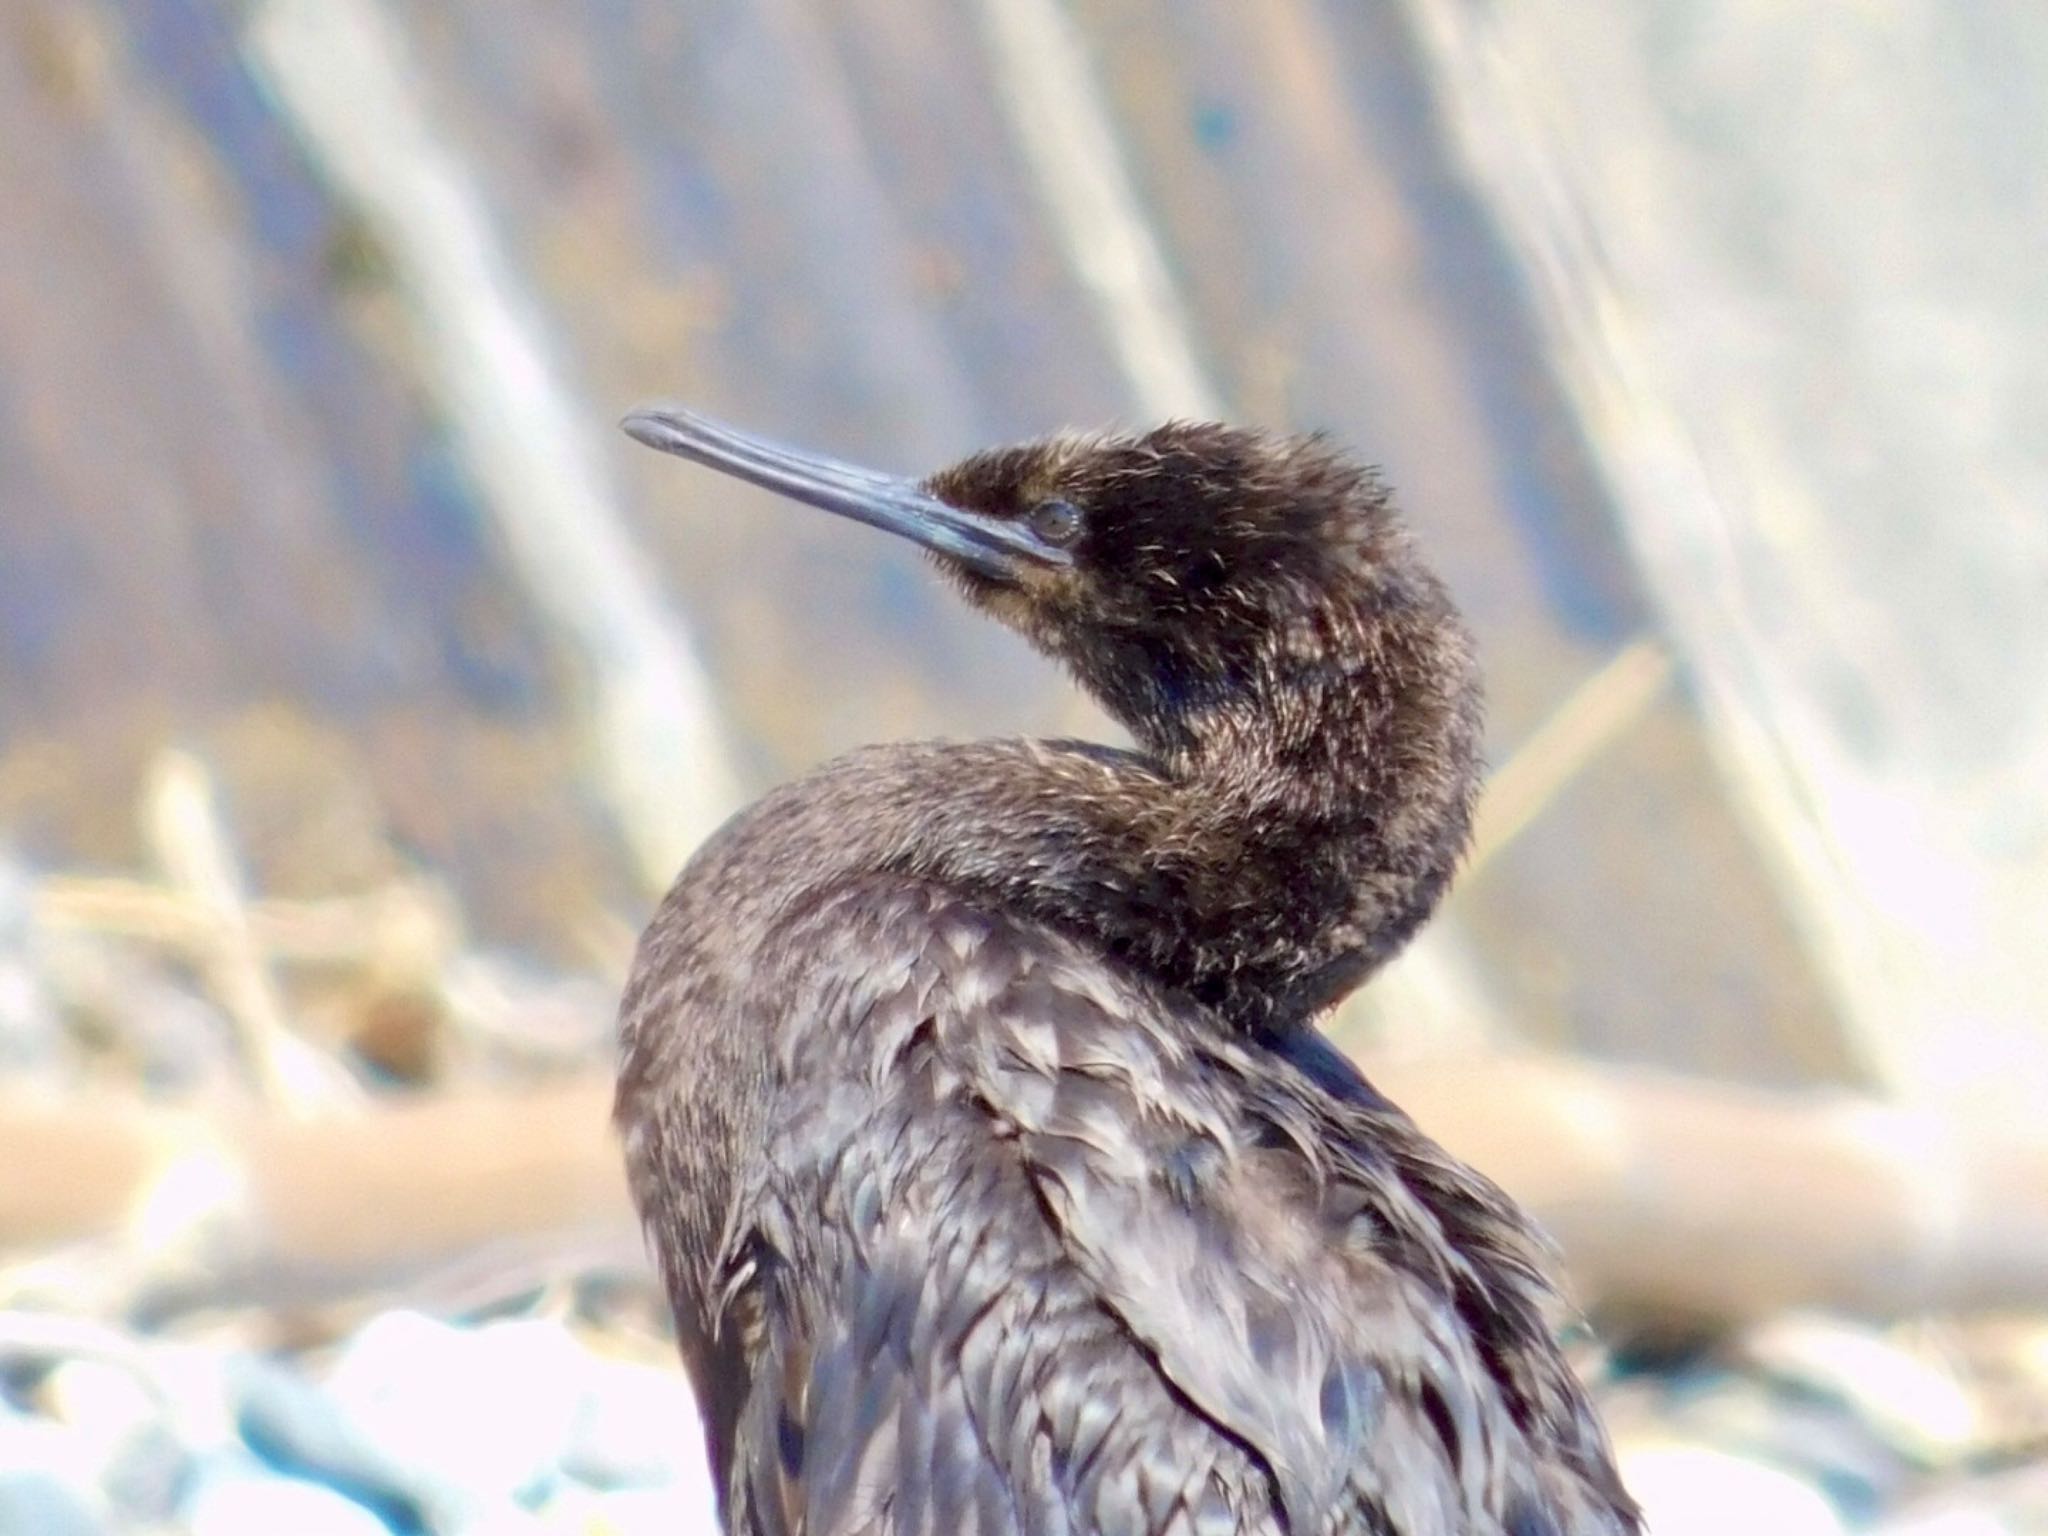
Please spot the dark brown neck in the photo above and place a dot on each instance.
(1272, 845)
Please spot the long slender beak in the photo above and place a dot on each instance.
(987, 545)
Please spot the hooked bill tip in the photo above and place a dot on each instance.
(649, 424)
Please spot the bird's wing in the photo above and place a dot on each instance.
(1031, 1254)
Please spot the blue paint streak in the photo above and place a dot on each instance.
(1215, 125)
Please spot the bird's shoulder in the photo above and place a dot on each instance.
(1037, 1246)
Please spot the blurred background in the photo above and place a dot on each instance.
(361, 686)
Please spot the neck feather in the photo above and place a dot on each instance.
(1271, 845)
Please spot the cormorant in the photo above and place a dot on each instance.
(972, 1094)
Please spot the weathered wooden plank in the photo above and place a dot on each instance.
(1805, 326)
(655, 753)
(227, 517)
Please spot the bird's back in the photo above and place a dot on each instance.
(1009, 1240)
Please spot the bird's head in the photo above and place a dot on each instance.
(1171, 569)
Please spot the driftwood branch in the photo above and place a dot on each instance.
(1674, 1200)
(1685, 1199)
(185, 826)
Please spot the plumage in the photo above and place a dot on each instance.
(971, 1094)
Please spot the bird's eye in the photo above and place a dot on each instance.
(1057, 522)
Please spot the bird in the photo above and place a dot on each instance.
(972, 1094)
